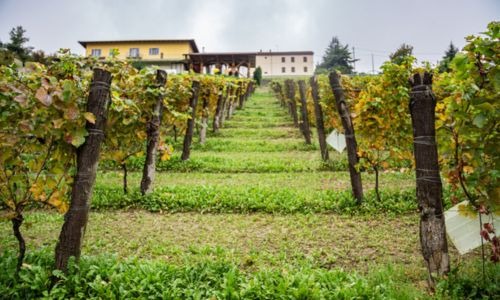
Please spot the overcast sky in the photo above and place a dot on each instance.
(372, 27)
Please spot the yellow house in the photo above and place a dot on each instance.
(169, 55)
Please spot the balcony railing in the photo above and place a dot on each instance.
(134, 57)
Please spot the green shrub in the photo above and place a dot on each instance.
(466, 281)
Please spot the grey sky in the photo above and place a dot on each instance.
(371, 26)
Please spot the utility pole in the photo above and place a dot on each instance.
(353, 59)
(271, 57)
(373, 66)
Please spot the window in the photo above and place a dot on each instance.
(293, 59)
(293, 69)
(154, 51)
(305, 58)
(305, 69)
(282, 59)
(96, 52)
(134, 52)
(283, 70)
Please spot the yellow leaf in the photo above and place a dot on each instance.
(90, 117)
(58, 123)
(57, 202)
(118, 156)
(466, 210)
(141, 134)
(165, 156)
(37, 191)
(468, 169)
(11, 204)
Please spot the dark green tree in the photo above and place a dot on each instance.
(257, 75)
(449, 54)
(336, 57)
(40, 56)
(17, 44)
(401, 53)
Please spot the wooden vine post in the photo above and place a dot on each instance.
(188, 138)
(75, 220)
(279, 90)
(306, 130)
(429, 188)
(234, 94)
(352, 147)
(318, 112)
(241, 98)
(224, 107)
(153, 132)
(292, 103)
(229, 101)
(204, 119)
(218, 115)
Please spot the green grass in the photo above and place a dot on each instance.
(242, 162)
(251, 241)
(270, 133)
(105, 277)
(224, 144)
(305, 181)
(252, 199)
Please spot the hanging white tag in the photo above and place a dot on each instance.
(336, 140)
(464, 230)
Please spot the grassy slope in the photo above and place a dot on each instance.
(258, 151)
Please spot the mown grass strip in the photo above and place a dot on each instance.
(239, 162)
(220, 199)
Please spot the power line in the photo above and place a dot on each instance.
(390, 52)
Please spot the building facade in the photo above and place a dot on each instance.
(177, 56)
(169, 55)
(290, 63)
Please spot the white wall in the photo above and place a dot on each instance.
(272, 64)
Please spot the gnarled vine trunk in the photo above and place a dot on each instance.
(350, 138)
(153, 132)
(16, 225)
(429, 188)
(292, 103)
(75, 220)
(188, 138)
(306, 130)
(318, 113)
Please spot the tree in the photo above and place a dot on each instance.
(257, 75)
(40, 56)
(17, 43)
(398, 57)
(444, 65)
(336, 57)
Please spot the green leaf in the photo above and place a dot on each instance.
(77, 138)
(480, 120)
